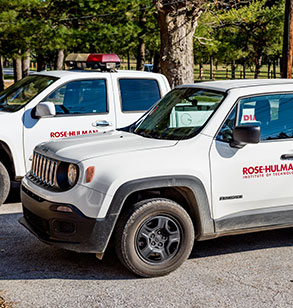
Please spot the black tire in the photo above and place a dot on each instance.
(154, 237)
(4, 184)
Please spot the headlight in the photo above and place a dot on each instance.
(67, 175)
(72, 174)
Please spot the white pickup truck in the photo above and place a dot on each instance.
(56, 104)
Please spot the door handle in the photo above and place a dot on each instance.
(287, 156)
(101, 123)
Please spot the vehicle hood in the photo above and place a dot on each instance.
(109, 143)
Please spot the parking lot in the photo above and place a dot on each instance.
(252, 270)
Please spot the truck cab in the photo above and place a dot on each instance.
(51, 105)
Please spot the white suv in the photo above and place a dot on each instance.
(56, 104)
(208, 160)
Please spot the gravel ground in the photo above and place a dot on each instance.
(254, 270)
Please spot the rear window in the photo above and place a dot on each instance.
(138, 94)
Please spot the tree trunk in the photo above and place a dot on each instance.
(257, 66)
(156, 67)
(128, 60)
(177, 23)
(140, 55)
(233, 68)
(17, 68)
(140, 60)
(41, 64)
(58, 65)
(244, 70)
(26, 60)
(274, 68)
(287, 58)
(211, 67)
(290, 47)
(269, 69)
(201, 71)
(1, 74)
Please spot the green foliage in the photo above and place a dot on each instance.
(44, 26)
(206, 42)
(257, 28)
(244, 33)
(116, 27)
(247, 32)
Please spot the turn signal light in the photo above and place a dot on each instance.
(90, 172)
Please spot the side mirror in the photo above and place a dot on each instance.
(44, 109)
(245, 134)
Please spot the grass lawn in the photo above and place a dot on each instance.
(224, 72)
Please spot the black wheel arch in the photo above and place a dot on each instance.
(188, 191)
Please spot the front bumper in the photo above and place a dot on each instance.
(72, 231)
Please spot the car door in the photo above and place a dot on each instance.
(82, 107)
(252, 185)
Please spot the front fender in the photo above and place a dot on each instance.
(199, 201)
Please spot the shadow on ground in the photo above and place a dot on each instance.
(244, 242)
(23, 257)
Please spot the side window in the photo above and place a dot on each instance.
(226, 132)
(80, 97)
(138, 94)
(272, 113)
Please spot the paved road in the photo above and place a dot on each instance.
(253, 270)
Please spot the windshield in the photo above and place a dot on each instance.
(19, 94)
(181, 114)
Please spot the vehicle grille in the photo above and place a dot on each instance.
(44, 171)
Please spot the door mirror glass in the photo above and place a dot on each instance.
(245, 134)
(45, 109)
